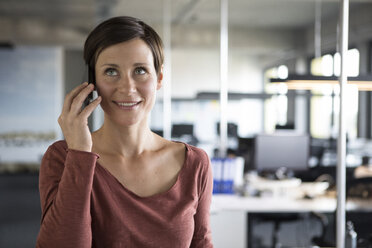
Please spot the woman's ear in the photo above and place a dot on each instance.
(160, 79)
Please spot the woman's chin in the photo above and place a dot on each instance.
(126, 122)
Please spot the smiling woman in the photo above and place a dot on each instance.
(129, 86)
(122, 185)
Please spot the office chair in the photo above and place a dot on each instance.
(277, 219)
(322, 240)
(356, 188)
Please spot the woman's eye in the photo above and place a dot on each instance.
(111, 72)
(140, 71)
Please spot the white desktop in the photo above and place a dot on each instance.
(229, 212)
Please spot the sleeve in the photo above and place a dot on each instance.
(202, 234)
(65, 184)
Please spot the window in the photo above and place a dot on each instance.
(275, 107)
(352, 63)
(329, 65)
(325, 104)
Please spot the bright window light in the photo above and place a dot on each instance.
(352, 63)
(282, 72)
(272, 73)
(316, 66)
(327, 65)
(337, 64)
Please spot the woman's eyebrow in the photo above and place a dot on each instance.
(111, 65)
(139, 64)
(135, 64)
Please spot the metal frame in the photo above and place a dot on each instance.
(341, 147)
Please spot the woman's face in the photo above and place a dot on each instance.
(127, 81)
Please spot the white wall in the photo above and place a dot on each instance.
(196, 70)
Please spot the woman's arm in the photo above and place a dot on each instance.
(66, 177)
(202, 234)
(65, 184)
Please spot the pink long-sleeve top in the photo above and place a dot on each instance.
(83, 205)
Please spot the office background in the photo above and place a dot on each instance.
(41, 59)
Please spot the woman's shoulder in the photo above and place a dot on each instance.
(195, 159)
(185, 153)
(192, 152)
(196, 153)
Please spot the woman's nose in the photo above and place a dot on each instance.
(127, 85)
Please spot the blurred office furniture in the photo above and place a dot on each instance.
(360, 219)
(360, 188)
(255, 207)
(280, 155)
(158, 132)
(276, 219)
(232, 129)
(178, 130)
(19, 209)
(184, 132)
(279, 214)
(246, 150)
(322, 240)
(359, 212)
(359, 202)
(291, 189)
(266, 153)
(231, 142)
(287, 126)
(281, 150)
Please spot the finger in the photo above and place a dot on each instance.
(88, 110)
(77, 102)
(70, 96)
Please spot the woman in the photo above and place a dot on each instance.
(123, 185)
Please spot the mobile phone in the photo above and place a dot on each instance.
(91, 79)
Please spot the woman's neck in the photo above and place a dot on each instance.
(128, 141)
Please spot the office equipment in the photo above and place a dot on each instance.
(227, 174)
(158, 132)
(287, 150)
(232, 129)
(359, 188)
(351, 236)
(181, 129)
(281, 154)
(287, 126)
(185, 133)
(289, 187)
(246, 150)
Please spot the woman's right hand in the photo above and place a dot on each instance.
(74, 120)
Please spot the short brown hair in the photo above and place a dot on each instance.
(119, 29)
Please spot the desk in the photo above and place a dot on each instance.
(283, 204)
(239, 207)
(272, 204)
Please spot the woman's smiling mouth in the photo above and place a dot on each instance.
(127, 105)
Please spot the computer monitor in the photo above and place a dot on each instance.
(288, 150)
(178, 130)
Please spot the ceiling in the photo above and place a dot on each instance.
(242, 12)
(83, 14)
(67, 22)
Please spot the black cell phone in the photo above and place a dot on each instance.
(91, 79)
